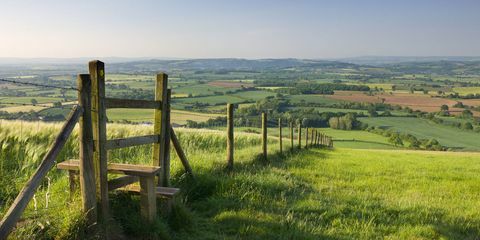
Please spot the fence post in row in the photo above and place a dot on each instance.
(312, 138)
(230, 137)
(280, 134)
(291, 136)
(85, 134)
(99, 125)
(306, 137)
(300, 136)
(264, 135)
(315, 138)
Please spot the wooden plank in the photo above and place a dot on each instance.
(280, 134)
(85, 134)
(23, 198)
(165, 192)
(99, 124)
(264, 135)
(312, 137)
(159, 127)
(131, 141)
(121, 182)
(180, 152)
(148, 198)
(132, 103)
(122, 168)
(230, 137)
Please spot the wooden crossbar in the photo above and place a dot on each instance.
(132, 103)
(131, 141)
(121, 168)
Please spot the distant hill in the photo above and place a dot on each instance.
(385, 60)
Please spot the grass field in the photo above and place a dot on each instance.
(466, 90)
(310, 194)
(448, 136)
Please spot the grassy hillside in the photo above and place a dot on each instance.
(310, 194)
(448, 136)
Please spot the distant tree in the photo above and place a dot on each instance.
(57, 104)
(34, 101)
(372, 112)
(467, 126)
(444, 107)
(395, 140)
(467, 114)
(394, 88)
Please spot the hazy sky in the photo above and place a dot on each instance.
(242, 28)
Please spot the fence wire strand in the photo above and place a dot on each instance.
(38, 84)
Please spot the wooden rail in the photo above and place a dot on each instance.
(132, 103)
(131, 141)
(23, 198)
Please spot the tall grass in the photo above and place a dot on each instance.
(24, 144)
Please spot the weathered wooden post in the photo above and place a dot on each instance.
(160, 126)
(306, 137)
(291, 136)
(264, 135)
(299, 135)
(313, 137)
(99, 125)
(166, 148)
(85, 134)
(280, 134)
(230, 137)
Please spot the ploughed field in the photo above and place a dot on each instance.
(342, 193)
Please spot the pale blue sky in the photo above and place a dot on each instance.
(244, 29)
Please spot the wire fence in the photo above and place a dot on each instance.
(38, 84)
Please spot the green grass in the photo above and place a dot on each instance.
(358, 139)
(310, 194)
(448, 136)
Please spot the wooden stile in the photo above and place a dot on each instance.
(230, 137)
(131, 141)
(99, 125)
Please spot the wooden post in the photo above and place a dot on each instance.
(280, 134)
(180, 153)
(299, 135)
(306, 137)
(312, 138)
(85, 134)
(166, 151)
(148, 198)
(291, 136)
(13, 214)
(264, 135)
(160, 126)
(99, 125)
(230, 137)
